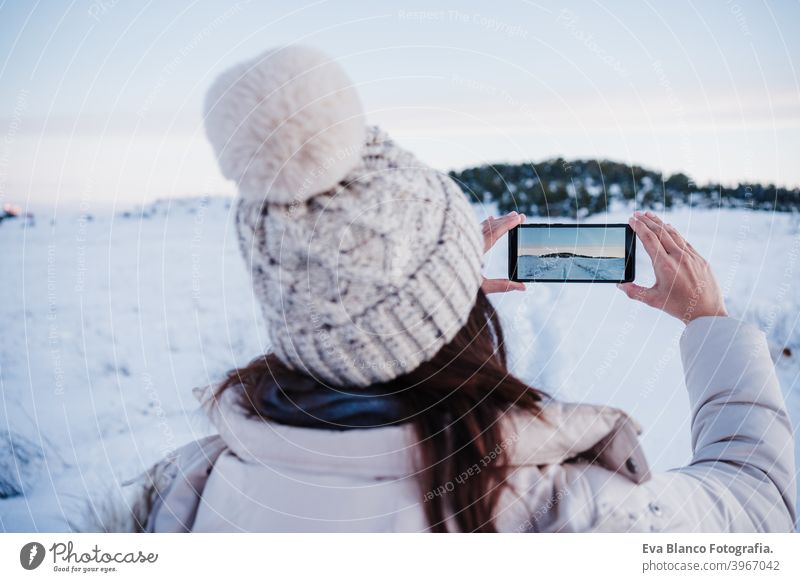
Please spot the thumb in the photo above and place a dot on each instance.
(636, 292)
(501, 286)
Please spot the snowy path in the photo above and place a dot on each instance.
(533, 267)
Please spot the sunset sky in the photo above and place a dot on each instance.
(593, 242)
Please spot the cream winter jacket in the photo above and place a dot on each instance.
(582, 473)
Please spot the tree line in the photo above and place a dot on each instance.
(578, 188)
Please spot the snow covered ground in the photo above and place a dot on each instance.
(108, 323)
(535, 267)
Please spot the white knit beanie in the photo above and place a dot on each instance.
(365, 261)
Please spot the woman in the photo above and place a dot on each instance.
(385, 403)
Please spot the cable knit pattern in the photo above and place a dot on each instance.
(365, 282)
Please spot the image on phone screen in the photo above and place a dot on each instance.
(571, 253)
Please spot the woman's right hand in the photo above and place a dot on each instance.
(685, 287)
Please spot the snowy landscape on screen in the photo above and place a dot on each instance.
(111, 318)
(598, 269)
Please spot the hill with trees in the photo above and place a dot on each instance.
(579, 188)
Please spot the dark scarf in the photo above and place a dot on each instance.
(312, 405)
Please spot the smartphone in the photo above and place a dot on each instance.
(571, 253)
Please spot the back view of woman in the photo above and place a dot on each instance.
(385, 403)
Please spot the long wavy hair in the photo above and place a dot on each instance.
(454, 402)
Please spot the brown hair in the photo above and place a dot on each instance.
(455, 402)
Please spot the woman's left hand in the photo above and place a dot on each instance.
(493, 229)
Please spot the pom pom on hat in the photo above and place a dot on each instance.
(286, 125)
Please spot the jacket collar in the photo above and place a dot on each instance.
(561, 432)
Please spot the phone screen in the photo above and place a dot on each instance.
(596, 253)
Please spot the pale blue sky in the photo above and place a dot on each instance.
(100, 100)
(594, 242)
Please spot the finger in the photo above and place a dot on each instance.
(680, 240)
(495, 228)
(501, 285)
(674, 233)
(507, 222)
(649, 239)
(637, 292)
(654, 217)
(657, 226)
(486, 230)
(676, 236)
